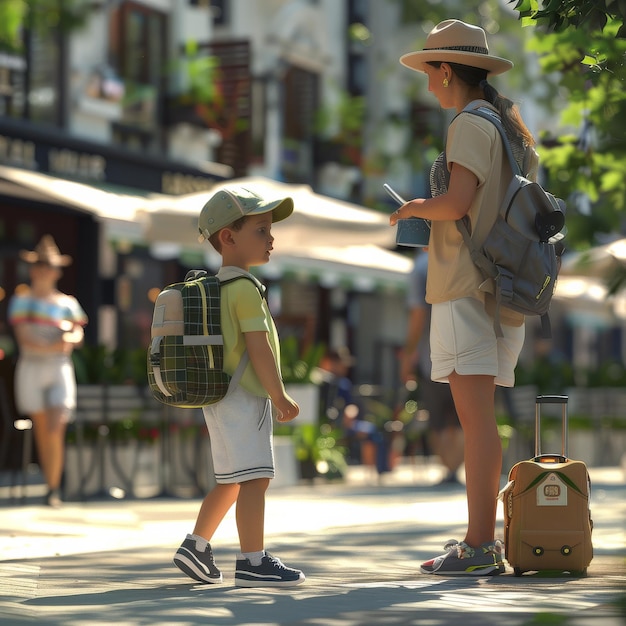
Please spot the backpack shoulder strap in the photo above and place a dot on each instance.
(490, 115)
(478, 258)
(261, 289)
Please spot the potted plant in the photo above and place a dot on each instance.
(318, 451)
(301, 377)
(340, 130)
(203, 101)
(313, 444)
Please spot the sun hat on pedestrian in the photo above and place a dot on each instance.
(228, 205)
(453, 41)
(46, 252)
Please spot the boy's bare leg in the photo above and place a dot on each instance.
(250, 514)
(475, 405)
(214, 507)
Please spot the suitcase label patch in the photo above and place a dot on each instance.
(552, 491)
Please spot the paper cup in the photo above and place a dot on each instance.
(413, 232)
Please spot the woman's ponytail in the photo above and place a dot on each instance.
(509, 113)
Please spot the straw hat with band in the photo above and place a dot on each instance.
(453, 41)
(46, 252)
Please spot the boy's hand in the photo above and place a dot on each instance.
(287, 409)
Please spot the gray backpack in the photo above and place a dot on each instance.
(520, 251)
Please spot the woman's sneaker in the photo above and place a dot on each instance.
(463, 560)
(197, 564)
(271, 573)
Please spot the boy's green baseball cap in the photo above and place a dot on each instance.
(228, 205)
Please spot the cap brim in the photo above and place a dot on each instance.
(280, 209)
(417, 60)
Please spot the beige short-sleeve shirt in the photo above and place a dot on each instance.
(475, 144)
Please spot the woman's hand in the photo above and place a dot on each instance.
(452, 205)
(396, 215)
(405, 211)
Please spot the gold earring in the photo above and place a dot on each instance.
(445, 82)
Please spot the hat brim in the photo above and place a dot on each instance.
(417, 60)
(31, 256)
(281, 209)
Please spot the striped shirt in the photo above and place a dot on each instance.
(47, 319)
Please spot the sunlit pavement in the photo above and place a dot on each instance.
(359, 543)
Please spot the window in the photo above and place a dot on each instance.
(31, 83)
(231, 113)
(301, 100)
(138, 54)
(221, 12)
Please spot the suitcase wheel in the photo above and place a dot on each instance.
(580, 573)
(517, 571)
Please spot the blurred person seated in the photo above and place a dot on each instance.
(363, 439)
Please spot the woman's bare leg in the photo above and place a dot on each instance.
(475, 405)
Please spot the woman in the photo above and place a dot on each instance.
(48, 325)
(469, 183)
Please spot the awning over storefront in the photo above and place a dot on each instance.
(329, 240)
(316, 220)
(124, 215)
(361, 267)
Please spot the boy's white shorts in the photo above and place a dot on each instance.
(240, 427)
(462, 339)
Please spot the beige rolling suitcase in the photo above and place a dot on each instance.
(547, 521)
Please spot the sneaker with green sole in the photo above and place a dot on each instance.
(463, 560)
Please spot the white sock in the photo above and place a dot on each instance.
(255, 558)
(201, 542)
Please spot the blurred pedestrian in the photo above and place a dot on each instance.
(364, 440)
(48, 326)
(238, 224)
(469, 182)
(444, 429)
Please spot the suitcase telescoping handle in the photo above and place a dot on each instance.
(562, 400)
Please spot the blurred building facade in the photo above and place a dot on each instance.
(126, 105)
(135, 102)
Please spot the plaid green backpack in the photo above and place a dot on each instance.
(186, 354)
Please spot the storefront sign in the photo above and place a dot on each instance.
(52, 152)
(90, 167)
(17, 152)
(176, 183)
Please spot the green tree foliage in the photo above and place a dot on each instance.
(16, 16)
(582, 52)
(559, 15)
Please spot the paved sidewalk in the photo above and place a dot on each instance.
(359, 543)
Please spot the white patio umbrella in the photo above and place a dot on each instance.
(325, 237)
(599, 261)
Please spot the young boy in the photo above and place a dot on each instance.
(238, 223)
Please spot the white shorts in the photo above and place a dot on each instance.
(45, 382)
(462, 340)
(240, 427)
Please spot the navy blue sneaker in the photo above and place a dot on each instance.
(271, 573)
(196, 564)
